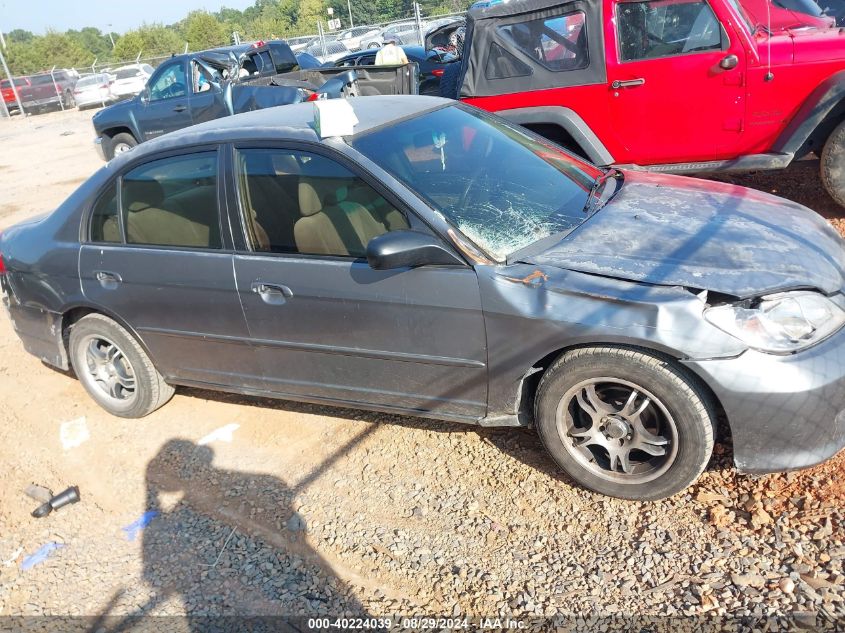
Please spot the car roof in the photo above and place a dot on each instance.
(288, 122)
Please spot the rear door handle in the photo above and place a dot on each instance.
(180, 108)
(272, 294)
(108, 280)
(628, 83)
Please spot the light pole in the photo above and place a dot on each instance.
(349, 6)
(110, 37)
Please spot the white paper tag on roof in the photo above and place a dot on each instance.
(334, 117)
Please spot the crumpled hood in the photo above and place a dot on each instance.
(676, 231)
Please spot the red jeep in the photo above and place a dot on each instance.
(674, 85)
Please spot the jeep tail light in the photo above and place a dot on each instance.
(2, 264)
(438, 72)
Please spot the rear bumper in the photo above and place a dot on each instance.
(39, 103)
(785, 412)
(40, 330)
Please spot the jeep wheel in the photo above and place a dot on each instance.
(120, 143)
(624, 423)
(114, 369)
(833, 165)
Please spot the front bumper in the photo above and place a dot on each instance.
(785, 412)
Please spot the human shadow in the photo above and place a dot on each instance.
(226, 544)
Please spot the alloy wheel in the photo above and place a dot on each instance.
(617, 430)
(109, 370)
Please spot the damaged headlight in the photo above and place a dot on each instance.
(781, 323)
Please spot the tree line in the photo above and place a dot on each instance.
(28, 53)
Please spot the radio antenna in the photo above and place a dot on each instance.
(769, 75)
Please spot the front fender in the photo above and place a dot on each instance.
(823, 108)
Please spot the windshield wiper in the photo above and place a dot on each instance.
(597, 188)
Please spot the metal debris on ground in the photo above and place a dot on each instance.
(64, 498)
(39, 493)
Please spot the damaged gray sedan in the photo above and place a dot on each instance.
(444, 263)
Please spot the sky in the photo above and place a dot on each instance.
(39, 15)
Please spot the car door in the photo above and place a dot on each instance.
(157, 260)
(676, 83)
(328, 326)
(165, 106)
(206, 100)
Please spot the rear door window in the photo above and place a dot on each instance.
(557, 43)
(666, 28)
(105, 225)
(173, 202)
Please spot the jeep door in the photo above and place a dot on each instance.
(328, 327)
(676, 82)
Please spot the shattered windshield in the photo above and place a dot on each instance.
(499, 186)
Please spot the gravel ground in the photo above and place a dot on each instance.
(321, 511)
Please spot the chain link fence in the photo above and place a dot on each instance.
(20, 95)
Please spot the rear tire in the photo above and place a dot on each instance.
(624, 423)
(114, 369)
(120, 143)
(833, 164)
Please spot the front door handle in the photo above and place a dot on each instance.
(729, 63)
(272, 294)
(180, 108)
(109, 281)
(628, 83)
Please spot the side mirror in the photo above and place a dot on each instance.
(145, 96)
(408, 249)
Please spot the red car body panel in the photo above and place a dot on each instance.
(690, 109)
(21, 84)
(778, 18)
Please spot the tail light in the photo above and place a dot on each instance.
(314, 96)
(2, 263)
(438, 72)
(104, 86)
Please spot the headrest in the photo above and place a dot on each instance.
(142, 194)
(309, 199)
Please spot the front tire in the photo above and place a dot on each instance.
(120, 143)
(833, 164)
(624, 423)
(114, 369)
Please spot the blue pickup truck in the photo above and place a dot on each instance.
(196, 87)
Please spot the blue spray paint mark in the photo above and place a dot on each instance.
(135, 527)
(40, 556)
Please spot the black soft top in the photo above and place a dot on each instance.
(486, 45)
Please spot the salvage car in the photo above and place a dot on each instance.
(206, 85)
(674, 86)
(442, 262)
